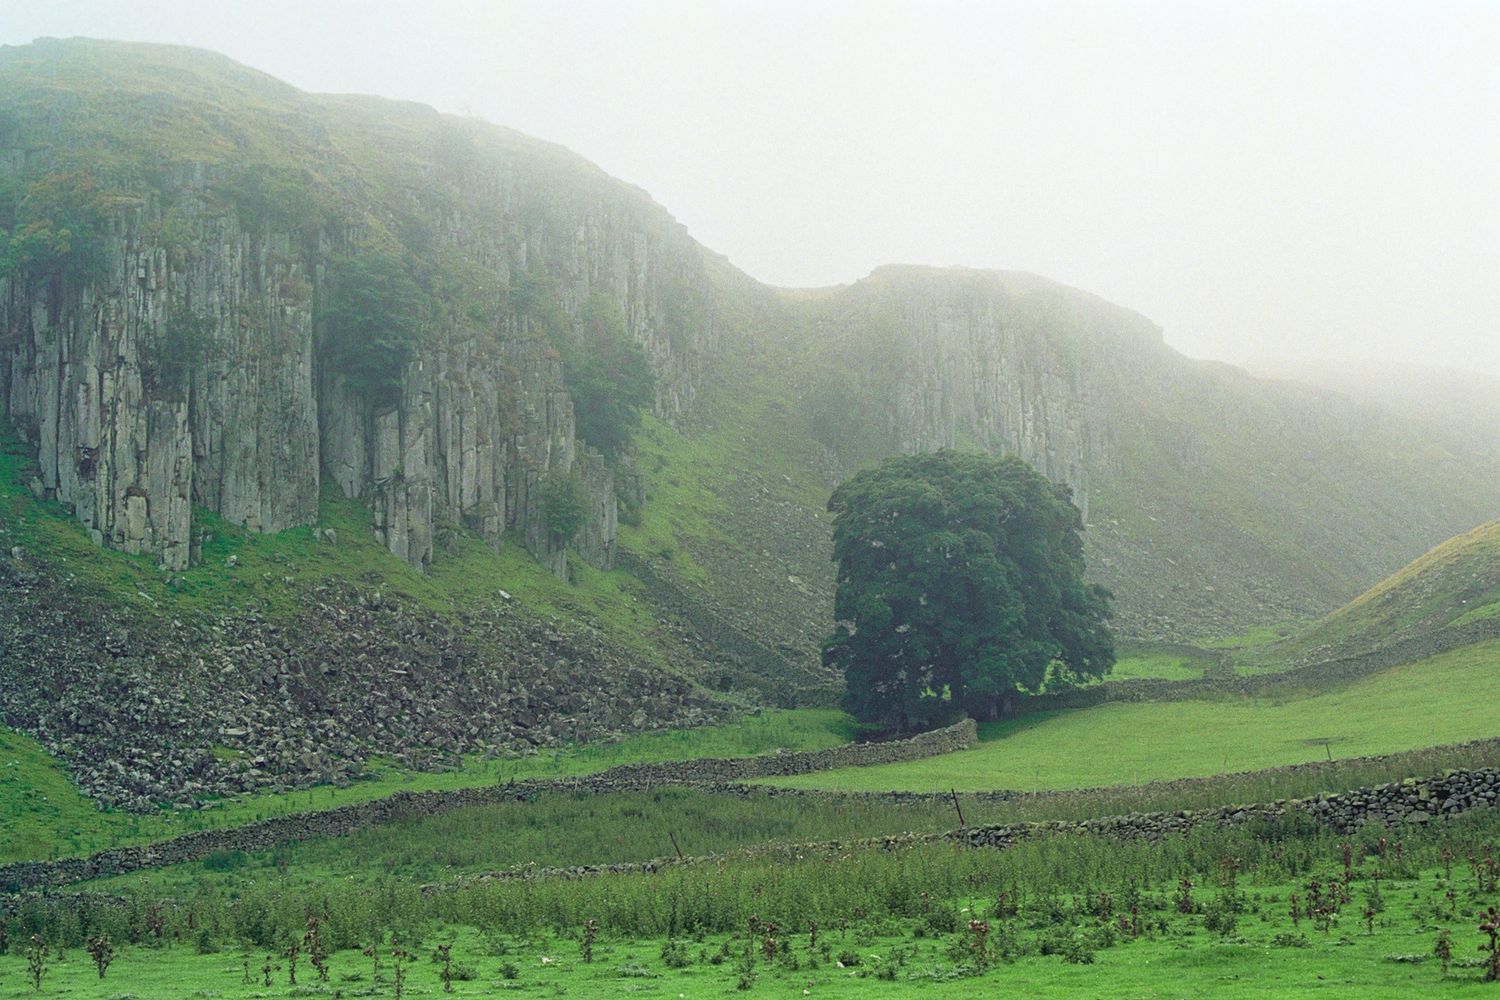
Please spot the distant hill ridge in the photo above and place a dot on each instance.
(1214, 500)
(1454, 584)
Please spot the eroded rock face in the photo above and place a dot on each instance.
(1212, 500)
(1002, 362)
(189, 370)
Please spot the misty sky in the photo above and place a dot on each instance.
(1262, 179)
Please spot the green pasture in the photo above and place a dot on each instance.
(1446, 699)
(1191, 963)
(1065, 916)
(43, 815)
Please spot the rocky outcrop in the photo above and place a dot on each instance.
(243, 420)
(186, 364)
(1004, 362)
(1212, 500)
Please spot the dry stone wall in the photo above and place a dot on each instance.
(1333, 671)
(1410, 801)
(336, 822)
(1413, 801)
(959, 736)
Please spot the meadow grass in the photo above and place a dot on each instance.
(1144, 659)
(562, 830)
(1449, 698)
(43, 815)
(1076, 915)
(1187, 961)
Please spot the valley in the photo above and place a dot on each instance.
(417, 559)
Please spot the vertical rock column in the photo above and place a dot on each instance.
(118, 455)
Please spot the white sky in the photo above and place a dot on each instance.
(1264, 180)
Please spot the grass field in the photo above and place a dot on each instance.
(580, 829)
(42, 814)
(1191, 962)
(1062, 916)
(1447, 699)
(1173, 663)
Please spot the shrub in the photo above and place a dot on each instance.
(607, 374)
(564, 508)
(372, 324)
(674, 954)
(168, 363)
(59, 228)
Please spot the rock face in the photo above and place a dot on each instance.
(1213, 500)
(190, 367)
(1004, 362)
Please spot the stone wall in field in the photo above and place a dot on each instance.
(1314, 674)
(266, 834)
(1411, 801)
(959, 736)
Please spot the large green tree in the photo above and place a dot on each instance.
(960, 581)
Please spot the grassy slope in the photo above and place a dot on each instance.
(1446, 699)
(42, 814)
(735, 515)
(1455, 583)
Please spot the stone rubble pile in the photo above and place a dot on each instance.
(146, 712)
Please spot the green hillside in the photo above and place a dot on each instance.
(1454, 584)
(1448, 699)
(1216, 502)
(774, 395)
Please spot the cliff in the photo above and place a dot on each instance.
(181, 229)
(174, 356)
(1213, 501)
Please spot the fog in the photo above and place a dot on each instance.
(1264, 180)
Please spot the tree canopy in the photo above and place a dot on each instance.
(373, 321)
(607, 374)
(960, 580)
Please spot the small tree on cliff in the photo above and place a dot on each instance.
(960, 580)
(372, 321)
